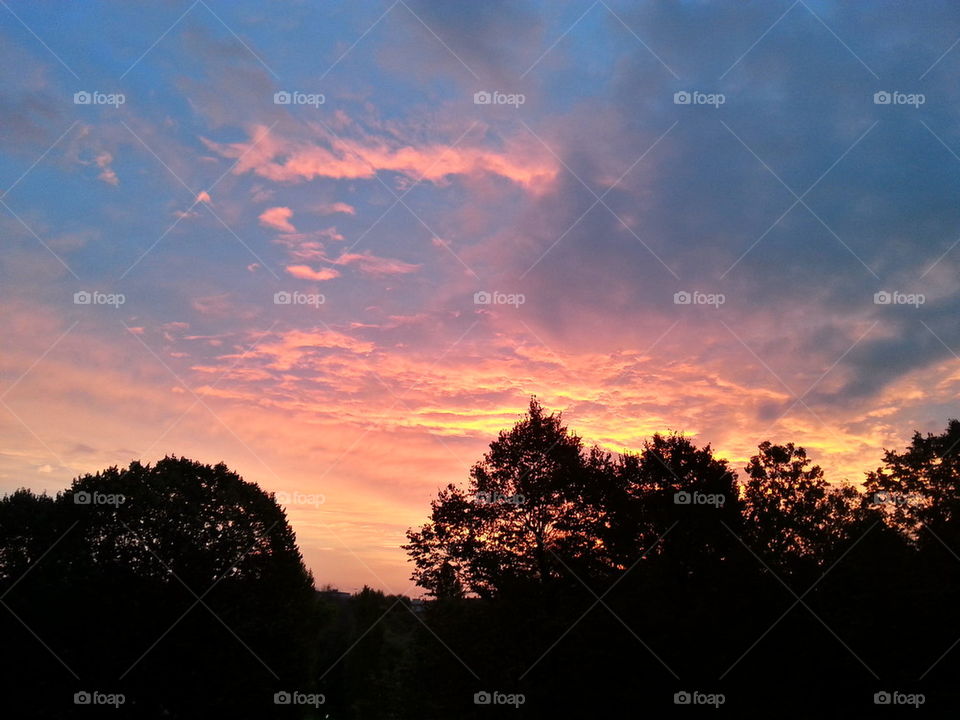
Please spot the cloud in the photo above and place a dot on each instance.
(305, 272)
(373, 265)
(303, 348)
(335, 207)
(107, 174)
(325, 154)
(598, 337)
(278, 218)
(309, 245)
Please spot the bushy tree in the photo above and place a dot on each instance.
(792, 516)
(178, 584)
(503, 529)
(919, 488)
(540, 507)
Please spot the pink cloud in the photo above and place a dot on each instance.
(278, 218)
(328, 155)
(107, 174)
(373, 265)
(308, 246)
(305, 272)
(337, 207)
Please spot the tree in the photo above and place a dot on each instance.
(179, 584)
(503, 530)
(793, 517)
(545, 527)
(919, 488)
(24, 519)
(540, 507)
(677, 485)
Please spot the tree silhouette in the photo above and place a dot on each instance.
(919, 488)
(178, 584)
(556, 567)
(503, 530)
(792, 515)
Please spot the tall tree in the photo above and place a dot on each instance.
(919, 488)
(792, 515)
(504, 529)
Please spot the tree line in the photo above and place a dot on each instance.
(560, 580)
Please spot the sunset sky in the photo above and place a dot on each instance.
(384, 197)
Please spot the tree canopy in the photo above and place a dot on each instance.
(178, 569)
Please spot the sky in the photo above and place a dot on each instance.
(339, 245)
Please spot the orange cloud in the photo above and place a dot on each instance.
(278, 218)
